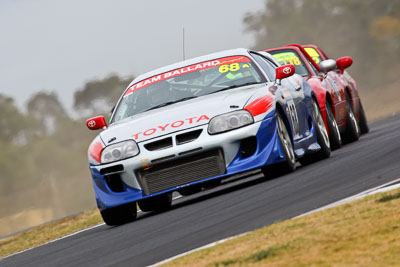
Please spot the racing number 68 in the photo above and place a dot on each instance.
(230, 67)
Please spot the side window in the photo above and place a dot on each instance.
(266, 65)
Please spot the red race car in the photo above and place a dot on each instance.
(319, 55)
(332, 93)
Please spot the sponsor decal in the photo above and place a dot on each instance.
(145, 162)
(169, 126)
(91, 123)
(287, 70)
(187, 69)
(286, 58)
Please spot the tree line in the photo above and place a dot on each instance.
(43, 155)
(367, 30)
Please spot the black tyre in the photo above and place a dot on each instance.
(120, 214)
(352, 132)
(286, 144)
(322, 137)
(334, 133)
(157, 203)
(364, 128)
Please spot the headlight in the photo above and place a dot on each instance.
(119, 151)
(230, 121)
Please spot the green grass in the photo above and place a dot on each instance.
(49, 231)
(365, 232)
(361, 233)
(389, 197)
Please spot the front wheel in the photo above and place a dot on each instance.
(364, 128)
(352, 129)
(334, 133)
(322, 137)
(120, 214)
(286, 144)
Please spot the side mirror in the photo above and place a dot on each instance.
(283, 72)
(96, 123)
(343, 63)
(327, 65)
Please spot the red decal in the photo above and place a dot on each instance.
(95, 150)
(150, 131)
(163, 127)
(203, 117)
(187, 69)
(136, 136)
(260, 105)
(177, 124)
(191, 119)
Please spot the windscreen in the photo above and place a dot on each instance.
(186, 83)
(314, 54)
(289, 56)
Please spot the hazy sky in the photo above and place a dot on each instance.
(59, 45)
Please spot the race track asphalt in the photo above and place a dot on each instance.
(233, 208)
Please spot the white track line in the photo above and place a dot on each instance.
(197, 249)
(66, 236)
(52, 241)
(379, 189)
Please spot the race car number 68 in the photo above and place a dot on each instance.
(231, 67)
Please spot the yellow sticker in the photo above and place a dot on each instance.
(314, 54)
(287, 58)
(229, 67)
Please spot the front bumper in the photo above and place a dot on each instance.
(231, 144)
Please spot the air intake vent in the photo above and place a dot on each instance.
(160, 144)
(187, 137)
(112, 169)
(182, 171)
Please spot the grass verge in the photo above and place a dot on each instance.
(361, 233)
(48, 232)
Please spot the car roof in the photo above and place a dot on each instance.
(226, 53)
(319, 50)
(270, 57)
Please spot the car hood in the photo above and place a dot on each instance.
(179, 116)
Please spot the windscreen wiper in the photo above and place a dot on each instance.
(171, 102)
(235, 86)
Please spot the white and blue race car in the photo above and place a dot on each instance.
(190, 124)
